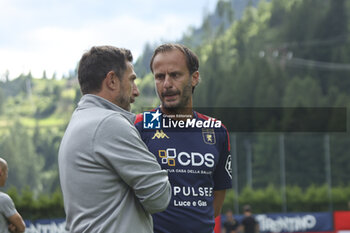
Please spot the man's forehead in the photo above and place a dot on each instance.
(170, 54)
(169, 60)
(128, 63)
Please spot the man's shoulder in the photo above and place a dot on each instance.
(206, 118)
(249, 219)
(4, 197)
(114, 121)
(139, 118)
(2, 194)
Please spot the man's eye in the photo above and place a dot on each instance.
(174, 75)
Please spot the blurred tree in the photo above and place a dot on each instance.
(266, 161)
(44, 75)
(302, 92)
(2, 99)
(24, 164)
(142, 63)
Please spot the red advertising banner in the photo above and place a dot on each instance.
(341, 220)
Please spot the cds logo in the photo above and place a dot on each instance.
(196, 159)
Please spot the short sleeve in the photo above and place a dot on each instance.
(7, 207)
(223, 171)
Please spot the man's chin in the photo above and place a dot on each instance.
(170, 105)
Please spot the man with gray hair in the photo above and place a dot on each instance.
(10, 219)
(110, 181)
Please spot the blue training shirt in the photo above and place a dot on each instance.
(198, 162)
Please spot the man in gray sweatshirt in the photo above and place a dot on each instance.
(111, 183)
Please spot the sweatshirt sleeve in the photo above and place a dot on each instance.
(7, 207)
(118, 144)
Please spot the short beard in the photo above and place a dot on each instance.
(178, 108)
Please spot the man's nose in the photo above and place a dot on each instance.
(167, 81)
(135, 91)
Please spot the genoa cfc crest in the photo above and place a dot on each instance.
(209, 136)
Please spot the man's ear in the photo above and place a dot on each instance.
(112, 81)
(195, 78)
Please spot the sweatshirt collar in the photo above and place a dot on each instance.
(90, 100)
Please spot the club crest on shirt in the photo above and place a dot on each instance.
(209, 136)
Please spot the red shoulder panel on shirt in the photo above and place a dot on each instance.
(202, 116)
(139, 117)
(228, 137)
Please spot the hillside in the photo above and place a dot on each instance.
(34, 113)
(282, 53)
(214, 24)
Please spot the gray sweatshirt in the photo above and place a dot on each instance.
(7, 209)
(111, 183)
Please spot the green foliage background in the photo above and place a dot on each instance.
(280, 53)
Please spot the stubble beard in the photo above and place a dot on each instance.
(124, 101)
(183, 102)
